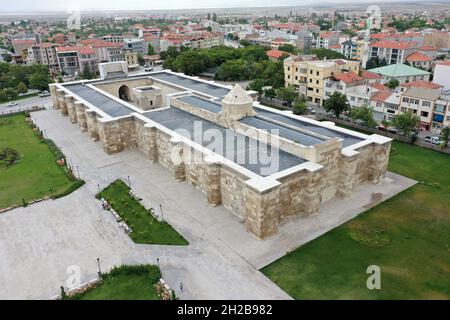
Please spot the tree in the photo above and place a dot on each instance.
(192, 62)
(22, 88)
(150, 49)
(336, 103)
(393, 83)
(300, 106)
(214, 17)
(365, 114)
(39, 81)
(327, 53)
(270, 93)
(234, 70)
(141, 59)
(87, 72)
(406, 122)
(11, 93)
(287, 94)
(288, 48)
(257, 85)
(445, 136)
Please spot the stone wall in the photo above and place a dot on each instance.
(232, 186)
(117, 135)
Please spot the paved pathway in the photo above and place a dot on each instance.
(39, 242)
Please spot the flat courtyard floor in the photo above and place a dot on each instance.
(36, 173)
(408, 237)
(40, 242)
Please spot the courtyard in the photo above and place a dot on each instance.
(408, 236)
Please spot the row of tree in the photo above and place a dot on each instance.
(228, 64)
(17, 79)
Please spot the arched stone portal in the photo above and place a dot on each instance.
(124, 93)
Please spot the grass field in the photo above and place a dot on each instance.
(408, 236)
(36, 171)
(146, 229)
(125, 283)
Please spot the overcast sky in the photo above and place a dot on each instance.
(63, 5)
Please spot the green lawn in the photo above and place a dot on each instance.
(125, 283)
(146, 229)
(408, 236)
(36, 172)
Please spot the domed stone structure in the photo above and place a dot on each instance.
(237, 104)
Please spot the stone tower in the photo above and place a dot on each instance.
(237, 104)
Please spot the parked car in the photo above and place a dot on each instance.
(12, 104)
(311, 110)
(393, 131)
(148, 69)
(433, 140)
(44, 94)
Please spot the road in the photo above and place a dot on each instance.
(26, 104)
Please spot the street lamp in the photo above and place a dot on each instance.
(157, 261)
(51, 192)
(99, 270)
(129, 182)
(78, 171)
(160, 209)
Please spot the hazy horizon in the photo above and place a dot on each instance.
(112, 5)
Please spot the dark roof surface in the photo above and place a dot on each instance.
(236, 147)
(110, 106)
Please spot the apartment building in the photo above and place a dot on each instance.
(420, 101)
(116, 38)
(441, 112)
(72, 60)
(44, 53)
(419, 60)
(441, 74)
(135, 44)
(349, 49)
(402, 73)
(392, 52)
(21, 46)
(197, 40)
(327, 39)
(309, 76)
(105, 51)
(385, 104)
(146, 32)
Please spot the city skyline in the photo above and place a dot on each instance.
(85, 5)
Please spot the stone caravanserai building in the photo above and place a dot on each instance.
(262, 164)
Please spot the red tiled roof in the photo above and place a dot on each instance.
(381, 95)
(335, 46)
(379, 86)
(80, 50)
(422, 84)
(23, 41)
(46, 44)
(275, 54)
(66, 49)
(371, 75)
(393, 44)
(326, 35)
(418, 56)
(427, 48)
(347, 77)
(444, 63)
